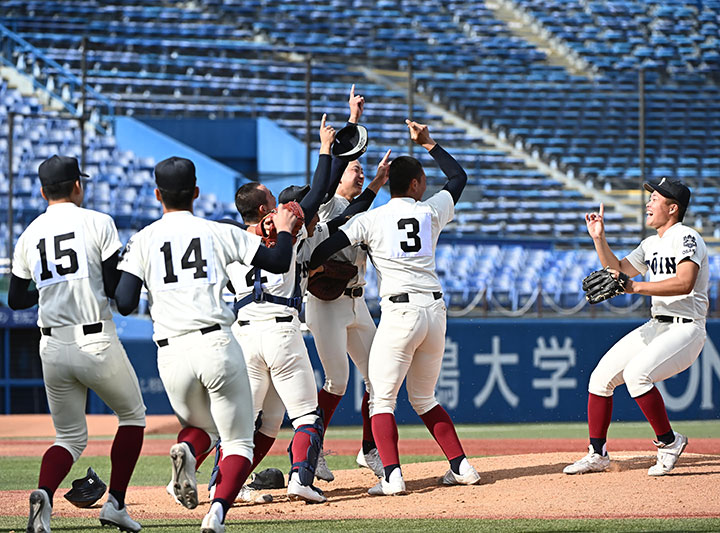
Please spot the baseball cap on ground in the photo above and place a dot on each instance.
(293, 193)
(350, 142)
(58, 169)
(175, 174)
(671, 188)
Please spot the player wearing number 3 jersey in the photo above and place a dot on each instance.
(410, 341)
(182, 261)
(71, 254)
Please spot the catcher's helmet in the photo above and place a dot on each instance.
(86, 490)
(350, 142)
(270, 478)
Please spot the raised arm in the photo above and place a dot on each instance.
(457, 178)
(321, 179)
(596, 228)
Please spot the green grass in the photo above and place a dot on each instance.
(396, 526)
(20, 473)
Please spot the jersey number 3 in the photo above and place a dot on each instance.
(412, 227)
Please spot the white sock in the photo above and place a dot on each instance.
(217, 508)
(464, 467)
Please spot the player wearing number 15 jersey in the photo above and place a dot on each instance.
(182, 261)
(410, 341)
(71, 254)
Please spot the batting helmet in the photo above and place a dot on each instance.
(86, 490)
(350, 142)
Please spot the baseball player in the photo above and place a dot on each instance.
(401, 237)
(344, 326)
(182, 260)
(268, 329)
(71, 254)
(677, 263)
(272, 410)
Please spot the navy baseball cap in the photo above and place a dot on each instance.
(350, 142)
(58, 169)
(293, 193)
(671, 188)
(175, 174)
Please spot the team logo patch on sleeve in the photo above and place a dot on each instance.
(689, 244)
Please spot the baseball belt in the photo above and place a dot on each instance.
(88, 329)
(215, 327)
(277, 319)
(354, 292)
(404, 297)
(667, 318)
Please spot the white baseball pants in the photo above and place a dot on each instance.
(208, 387)
(72, 363)
(653, 352)
(275, 353)
(341, 327)
(410, 341)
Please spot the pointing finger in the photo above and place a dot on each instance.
(602, 210)
(322, 122)
(352, 91)
(385, 158)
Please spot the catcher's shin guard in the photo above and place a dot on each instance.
(304, 464)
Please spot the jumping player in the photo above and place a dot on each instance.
(182, 261)
(71, 254)
(401, 237)
(344, 326)
(676, 259)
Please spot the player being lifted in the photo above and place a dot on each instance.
(401, 237)
(182, 260)
(71, 254)
(677, 262)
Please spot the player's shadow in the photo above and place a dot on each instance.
(643, 463)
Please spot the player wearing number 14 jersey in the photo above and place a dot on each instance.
(410, 341)
(182, 261)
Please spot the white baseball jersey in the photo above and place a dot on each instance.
(356, 254)
(661, 255)
(62, 251)
(183, 258)
(401, 236)
(282, 285)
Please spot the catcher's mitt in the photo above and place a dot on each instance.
(86, 490)
(266, 227)
(270, 478)
(602, 285)
(330, 283)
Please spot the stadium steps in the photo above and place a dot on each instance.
(533, 32)
(516, 20)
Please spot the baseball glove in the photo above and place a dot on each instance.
(86, 490)
(266, 227)
(270, 478)
(602, 285)
(330, 283)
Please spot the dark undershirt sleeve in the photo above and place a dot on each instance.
(457, 178)
(127, 293)
(276, 259)
(110, 274)
(19, 297)
(318, 189)
(358, 205)
(329, 246)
